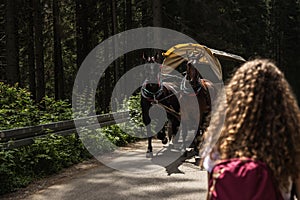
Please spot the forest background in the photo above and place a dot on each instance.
(43, 42)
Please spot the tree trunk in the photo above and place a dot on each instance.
(3, 59)
(157, 21)
(128, 25)
(58, 64)
(116, 63)
(145, 16)
(30, 52)
(12, 54)
(157, 10)
(39, 50)
(128, 14)
(114, 31)
(108, 71)
(81, 31)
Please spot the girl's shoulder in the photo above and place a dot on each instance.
(210, 160)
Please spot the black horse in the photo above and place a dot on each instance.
(162, 94)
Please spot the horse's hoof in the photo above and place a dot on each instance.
(165, 141)
(185, 154)
(149, 155)
(198, 161)
(183, 147)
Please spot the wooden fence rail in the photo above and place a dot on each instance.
(18, 137)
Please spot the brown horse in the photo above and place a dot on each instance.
(196, 102)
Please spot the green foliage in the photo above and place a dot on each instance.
(55, 110)
(52, 153)
(115, 133)
(117, 136)
(11, 172)
(96, 141)
(134, 107)
(17, 109)
(47, 155)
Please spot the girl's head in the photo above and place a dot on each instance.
(262, 119)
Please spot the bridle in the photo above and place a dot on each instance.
(192, 77)
(149, 95)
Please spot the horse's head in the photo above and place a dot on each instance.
(192, 73)
(152, 85)
(151, 65)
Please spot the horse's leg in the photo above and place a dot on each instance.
(149, 153)
(170, 131)
(175, 130)
(145, 104)
(161, 135)
(197, 144)
(200, 139)
(184, 135)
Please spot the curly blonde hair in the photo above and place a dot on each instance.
(262, 120)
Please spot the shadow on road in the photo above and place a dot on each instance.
(176, 159)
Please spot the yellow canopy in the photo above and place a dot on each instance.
(179, 53)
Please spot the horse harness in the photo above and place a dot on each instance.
(154, 97)
(151, 96)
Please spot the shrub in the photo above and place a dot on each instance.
(55, 110)
(17, 109)
(47, 155)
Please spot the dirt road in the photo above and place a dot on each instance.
(94, 181)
